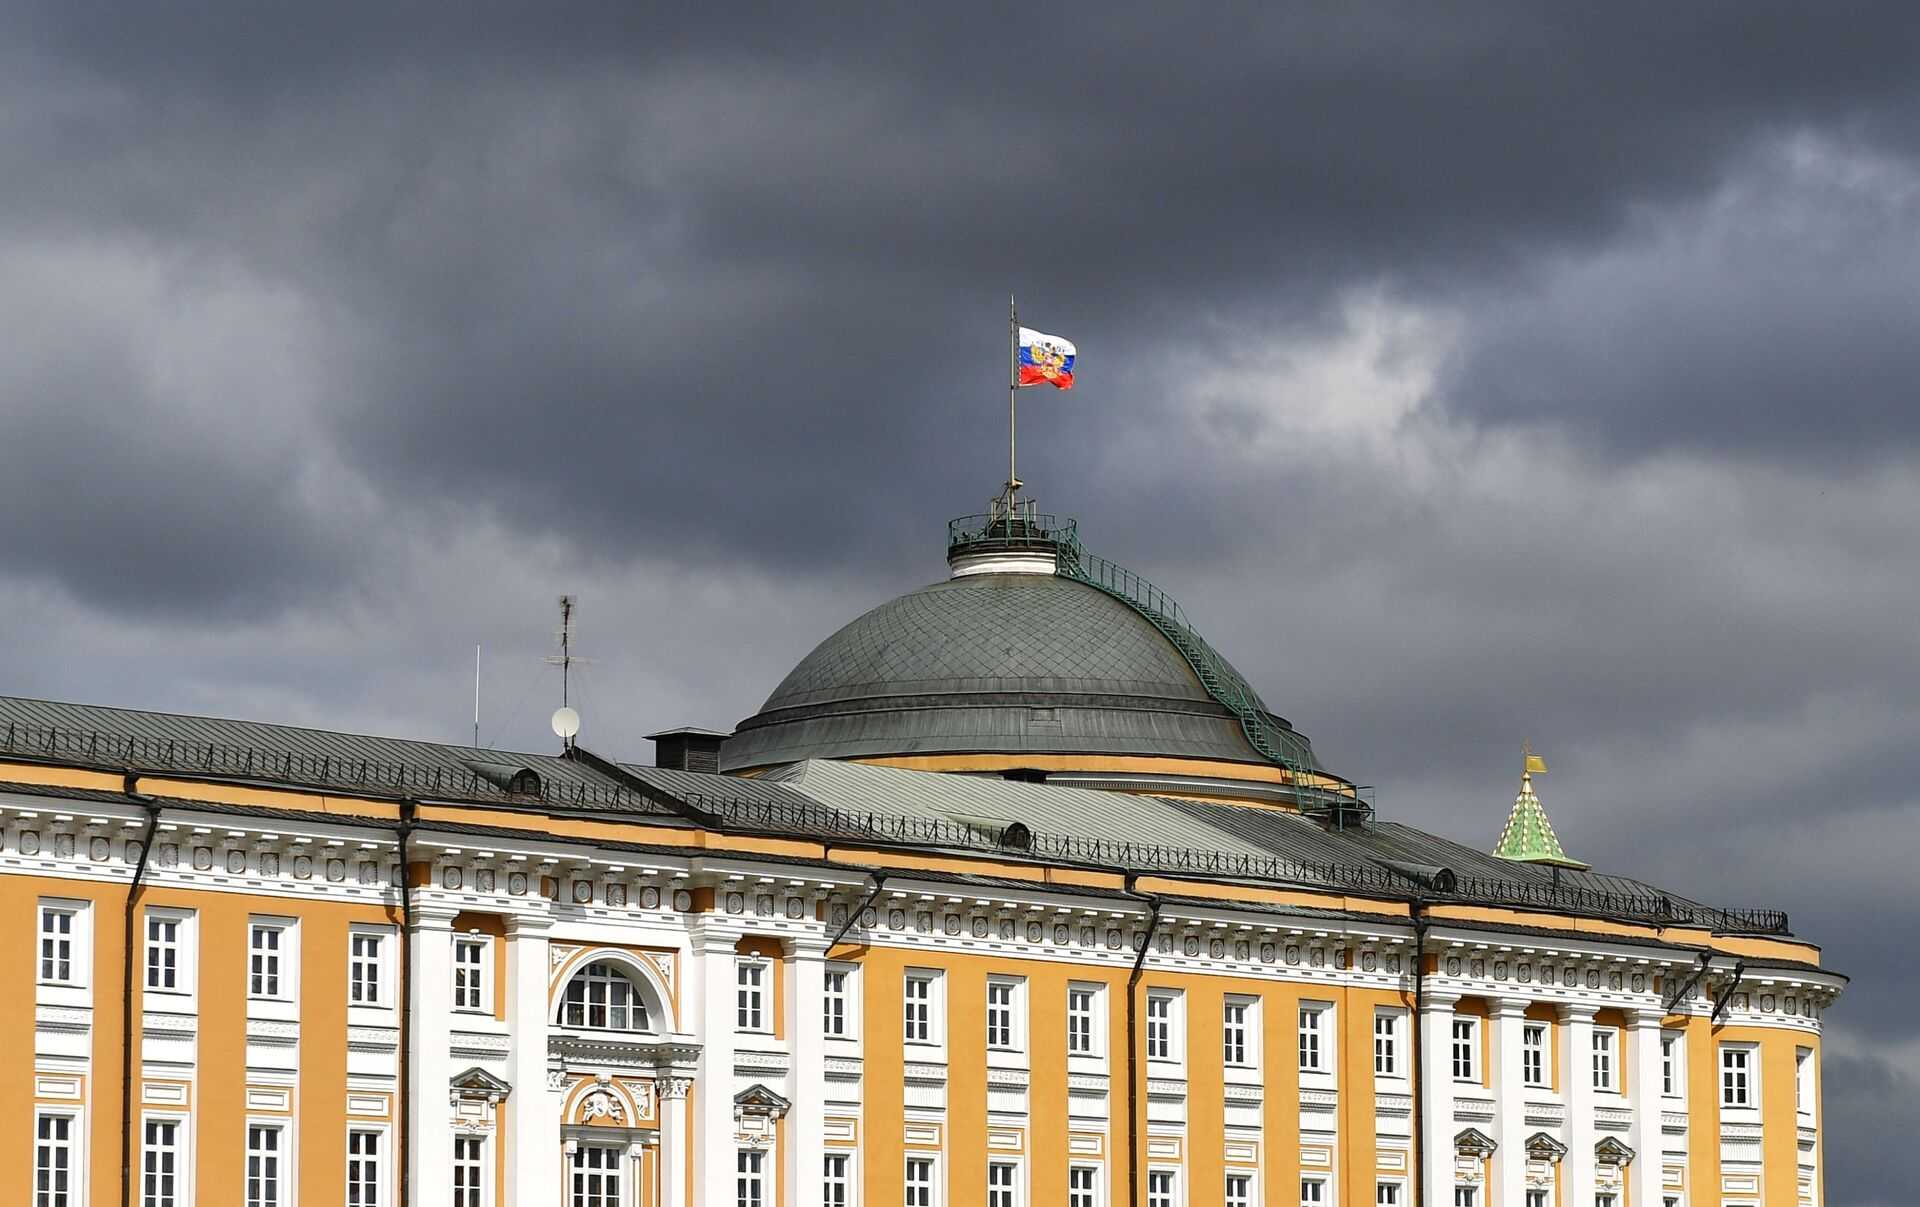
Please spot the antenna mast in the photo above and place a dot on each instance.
(566, 722)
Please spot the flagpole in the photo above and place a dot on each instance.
(1013, 384)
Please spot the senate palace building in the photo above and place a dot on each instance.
(1014, 893)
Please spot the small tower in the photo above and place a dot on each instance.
(1529, 836)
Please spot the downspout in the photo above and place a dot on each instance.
(1417, 908)
(404, 831)
(853, 915)
(1133, 1044)
(127, 946)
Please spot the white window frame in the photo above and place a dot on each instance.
(475, 997)
(1008, 1033)
(181, 1149)
(373, 1167)
(1466, 1196)
(1605, 1198)
(1803, 1083)
(1389, 1192)
(74, 1145)
(1537, 1196)
(1749, 1077)
(846, 997)
(1250, 1196)
(750, 1171)
(1086, 1028)
(1170, 1195)
(1167, 1035)
(1313, 1041)
(1090, 1195)
(848, 1178)
(54, 947)
(1466, 1071)
(379, 962)
(1012, 1193)
(575, 1165)
(752, 994)
(932, 1185)
(1313, 1192)
(1389, 1044)
(182, 944)
(1536, 1067)
(639, 1015)
(285, 983)
(922, 1018)
(1605, 1046)
(481, 1166)
(1673, 1079)
(283, 1175)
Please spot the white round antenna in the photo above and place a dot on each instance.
(566, 722)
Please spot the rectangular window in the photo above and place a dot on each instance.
(1313, 1192)
(163, 952)
(596, 1176)
(1386, 1194)
(56, 944)
(1538, 1198)
(1233, 1033)
(469, 973)
(1239, 1190)
(1386, 1044)
(1001, 1031)
(1160, 1026)
(750, 999)
(1603, 1060)
(919, 1182)
(1083, 1186)
(1466, 1196)
(749, 1179)
(1312, 1059)
(364, 1182)
(1736, 1088)
(266, 944)
(918, 995)
(160, 1163)
(833, 1008)
(1533, 1054)
(1160, 1188)
(1670, 1065)
(53, 1162)
(469, 1168)
(836, 1182)
(1002, 1183)
(1803, 1080)
(1466, 1049)
(1604, 1200)
(1080, 1020)
(364, 982)
(263, 1166)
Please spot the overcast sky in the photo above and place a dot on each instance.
(1472, 373)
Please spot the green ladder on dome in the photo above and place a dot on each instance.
(1529, 836)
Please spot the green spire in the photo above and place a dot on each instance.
(1529, 836)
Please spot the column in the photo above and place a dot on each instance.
(671, 1156)
(532, 1124)
(1436, 1097)
(806, 1122)
(1644, 1176)
(429, 1068)
(1509, 1181)
(1576, 1073)
(711, 1009)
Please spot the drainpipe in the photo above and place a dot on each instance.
(403, 1098)
(1417, 908)
(1133, 1043)
(127, 946)
(853, 915)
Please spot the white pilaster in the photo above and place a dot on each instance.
(532, 1119)
(429, 1067)
(673, 1153)
(1576, 1070)
(806, 1122)
(1644, 1178)
(1436, 1096)
(710, 1015)
(1508, 1017)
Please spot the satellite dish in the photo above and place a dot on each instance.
(566, 722)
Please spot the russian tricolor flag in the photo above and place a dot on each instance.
(1045, 360)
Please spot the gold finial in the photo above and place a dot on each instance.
(1535, 765)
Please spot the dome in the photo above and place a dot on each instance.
(989, 662)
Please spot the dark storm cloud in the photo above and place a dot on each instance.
(1472, 374)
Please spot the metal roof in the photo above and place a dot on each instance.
(1015, 663)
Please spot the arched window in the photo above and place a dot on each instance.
(601, 998)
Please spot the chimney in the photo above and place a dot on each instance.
(688, 749)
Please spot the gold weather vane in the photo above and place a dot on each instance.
(1535, 765)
